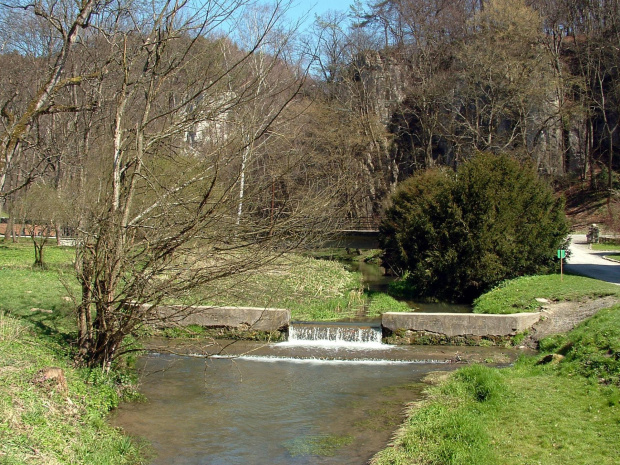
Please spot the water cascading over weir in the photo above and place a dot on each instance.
(335, 335)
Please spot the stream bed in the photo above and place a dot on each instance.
(257, 403)
(332, 394)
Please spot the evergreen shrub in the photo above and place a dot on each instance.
(455, 235)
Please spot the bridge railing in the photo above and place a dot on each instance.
(368, 223)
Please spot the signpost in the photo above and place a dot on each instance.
(561, 256)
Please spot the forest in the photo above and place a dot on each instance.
(359, 102)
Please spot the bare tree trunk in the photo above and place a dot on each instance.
(244, 162)
(58, 233)
(84, 317)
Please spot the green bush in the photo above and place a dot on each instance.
(458, 234)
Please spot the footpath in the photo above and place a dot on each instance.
(561, 317)
(591, 263)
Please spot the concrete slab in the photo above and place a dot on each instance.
(460, 324)
(246, 318)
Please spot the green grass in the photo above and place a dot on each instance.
(45, 297)
(313, 289)
(380, 303)
(345, 255)
(605, 247)
(519, 295)
(591, 350)
(532, 413)
(40, 423)
(21, 255)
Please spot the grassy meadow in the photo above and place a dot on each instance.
(313, 289)
(566, 411)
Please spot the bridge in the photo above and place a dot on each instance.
(356, 233)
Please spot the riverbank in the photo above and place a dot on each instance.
(52, 413)
(43, 421)
(559, 406)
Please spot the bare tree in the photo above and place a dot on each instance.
(164, 214)
(504, 85)
(43, 210)
(62, 23)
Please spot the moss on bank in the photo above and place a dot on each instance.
(409, 337)
(200, 332)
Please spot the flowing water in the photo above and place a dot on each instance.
(374, 279)
(335, 335)
(330, 395)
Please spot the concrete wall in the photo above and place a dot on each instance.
(460, 324)
(245, 318)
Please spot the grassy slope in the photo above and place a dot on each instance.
(557, 413)
(314, 290)
(39, 422)
(42, 424)
(519, 295)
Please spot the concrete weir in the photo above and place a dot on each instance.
(460, 324)
(445, 326)
(243, 318)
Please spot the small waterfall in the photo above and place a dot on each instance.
(334, 335)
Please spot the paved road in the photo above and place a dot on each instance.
(587, 262)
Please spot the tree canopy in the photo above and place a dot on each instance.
(174, 131)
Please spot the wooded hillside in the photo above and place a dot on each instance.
(393, 87)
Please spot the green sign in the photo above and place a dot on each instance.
(561, 253)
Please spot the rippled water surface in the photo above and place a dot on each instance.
(261, 410)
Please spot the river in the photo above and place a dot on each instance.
(284, 403)
(330, 395)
